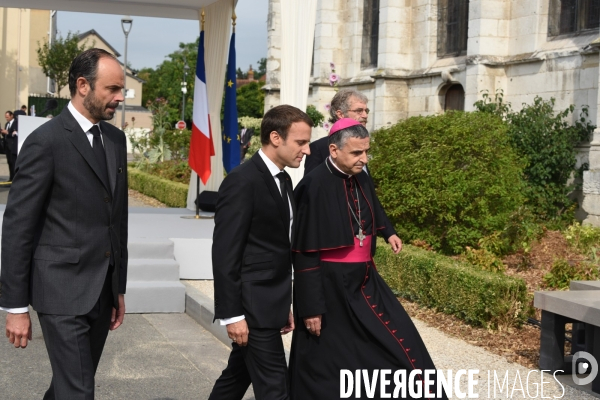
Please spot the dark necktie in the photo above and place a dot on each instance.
(98, 149)
(286, 193)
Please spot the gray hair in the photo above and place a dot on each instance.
(341, 137)
(341, 101)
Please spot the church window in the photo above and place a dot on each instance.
(453, 24)
(370, 39)
(573, 16)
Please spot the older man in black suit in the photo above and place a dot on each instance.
(252, 260)
(64, 235)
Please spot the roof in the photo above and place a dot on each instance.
(91, 32)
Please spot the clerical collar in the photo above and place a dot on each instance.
(335, 170)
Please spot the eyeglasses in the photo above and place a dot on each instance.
(361, 110)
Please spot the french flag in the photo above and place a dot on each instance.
(201, 143)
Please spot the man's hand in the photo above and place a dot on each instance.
(290, 325)
(238, 332)
(18, 329)
(117, 315)
(395, 243)
(313, 324)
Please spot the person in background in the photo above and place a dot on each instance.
(347, 103)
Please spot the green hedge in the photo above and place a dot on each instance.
(173, 194)
(481, 298)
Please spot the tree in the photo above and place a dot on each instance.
(241, 74)
(165, 81)
(262, 68)
(251, 100)
(55, 59)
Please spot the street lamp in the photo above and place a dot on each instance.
(126, 23)
(186, 68)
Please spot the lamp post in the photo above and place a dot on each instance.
(126, 23)
(186, 68)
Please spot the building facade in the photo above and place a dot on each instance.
(422, 57)
(20, 74)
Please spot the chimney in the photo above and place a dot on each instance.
(251, 74)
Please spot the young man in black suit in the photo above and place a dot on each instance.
(9, 141)
(64, 235)
(252, 260)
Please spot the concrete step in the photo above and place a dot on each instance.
(146, 248)
(152, 270)
(155, 297)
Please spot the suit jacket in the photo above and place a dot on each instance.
(251, 248)
(12, 142)
(245, 138)
(319, 151)
(62, 221)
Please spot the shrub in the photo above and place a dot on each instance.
(173, 194)
(315, 115)
(562, 273)
(584, 238)
(520, 232)
(176, 171)
(449, 179)
(481, 298)
(484, 260)
(547, 141)
(178, 142)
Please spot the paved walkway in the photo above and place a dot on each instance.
(151, 356)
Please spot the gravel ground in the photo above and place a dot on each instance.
(453, 354)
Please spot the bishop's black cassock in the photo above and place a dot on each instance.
(363, 326)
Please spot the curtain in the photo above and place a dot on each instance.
(217, 31)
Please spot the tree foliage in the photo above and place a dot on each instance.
(165, 81)
(262, 68)
(449, 179)
(56, 59)
(546, 140)
(251, 100)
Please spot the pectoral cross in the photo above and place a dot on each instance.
(361, 236)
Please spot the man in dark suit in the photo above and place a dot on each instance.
(64, 235)
(245, 136)
(347, 103)
(252, 259)
(8, 134)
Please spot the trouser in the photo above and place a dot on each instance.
(261, 362)
(74, 344)
(11, 159)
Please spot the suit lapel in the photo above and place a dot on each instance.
(79, 139)
(271, 185)
(111, 157)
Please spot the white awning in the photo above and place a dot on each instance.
(180, 9)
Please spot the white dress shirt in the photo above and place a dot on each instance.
(85, 125)
(274, 170)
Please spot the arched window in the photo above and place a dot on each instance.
(455, 98)
(370, 38)
(453, 26)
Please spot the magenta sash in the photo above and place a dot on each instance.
(349, 254)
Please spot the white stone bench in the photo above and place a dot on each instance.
(558, 309)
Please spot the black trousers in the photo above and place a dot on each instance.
(74, 344)
(261, 363)
(11, 159)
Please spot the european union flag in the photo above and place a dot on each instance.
(231, 135)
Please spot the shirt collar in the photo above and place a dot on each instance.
(83, 122)
(273, 169)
